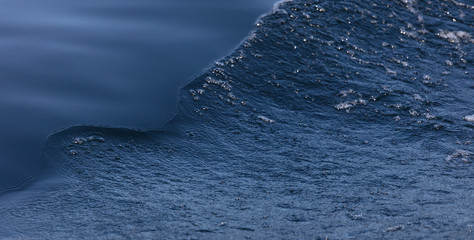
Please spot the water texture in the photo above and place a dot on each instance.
(334, 119)
(105, 63)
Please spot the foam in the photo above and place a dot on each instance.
(265, 119)
(461, 155)
(455, 36)
(469, 118)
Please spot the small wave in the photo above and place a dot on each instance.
(302, 128)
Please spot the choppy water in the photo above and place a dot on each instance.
(333, 119)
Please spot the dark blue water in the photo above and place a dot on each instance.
(110, 63)
(333, 119)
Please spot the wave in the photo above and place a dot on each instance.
(333, 119)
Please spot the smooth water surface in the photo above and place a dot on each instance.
(110, 63)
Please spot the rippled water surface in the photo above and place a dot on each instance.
(111, 63)
(333, 119)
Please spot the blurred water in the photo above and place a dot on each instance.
(111, 63)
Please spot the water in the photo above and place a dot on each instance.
(334, 119)
(109, 63)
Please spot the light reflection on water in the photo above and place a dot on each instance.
(109, 63)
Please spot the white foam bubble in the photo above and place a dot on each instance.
(232, 96)
(455, 36)
(348, 105)
(395, 228)
(403, 63)
(463, 155)
(343, 105)
(429, 116)
(265, 119)
(469, 118)
(344, 93)
(417, 97)
(460, 4)
(79, 141)
(390, 71)
(414, 113)
(223, 84)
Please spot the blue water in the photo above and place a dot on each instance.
(103, 63)
(333, 119)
